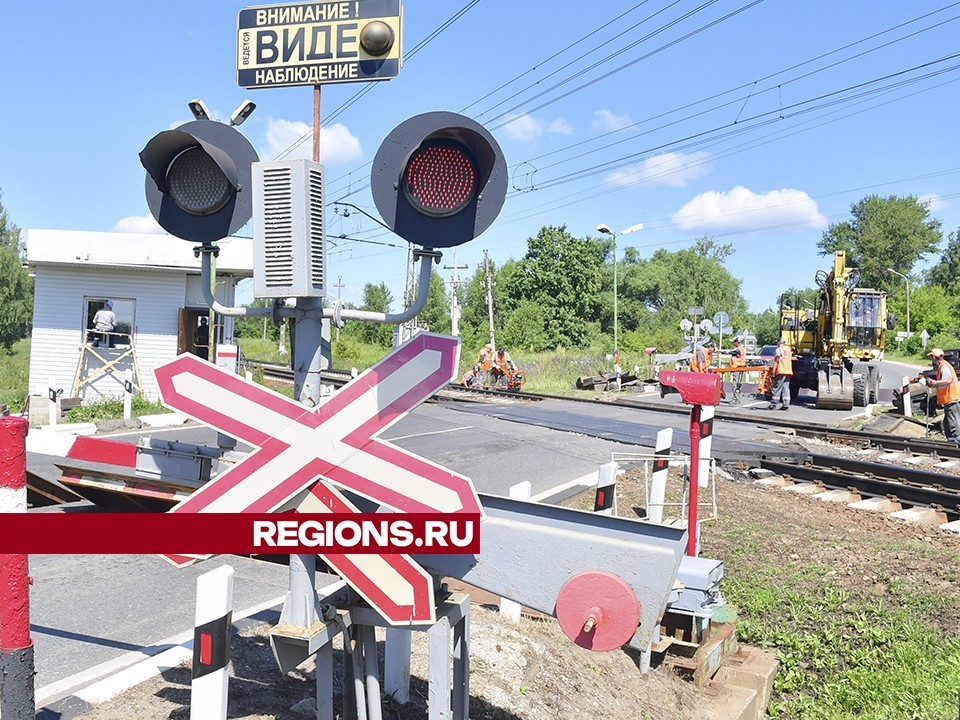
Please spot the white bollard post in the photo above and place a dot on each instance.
(396, 664)
(605, 501)
(661, 466)
(53, 407)
(127, 394)
(211, 645)
(508, 608)
(907, 400)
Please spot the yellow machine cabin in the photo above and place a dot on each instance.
(838, 342)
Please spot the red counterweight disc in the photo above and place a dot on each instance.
(598, 610)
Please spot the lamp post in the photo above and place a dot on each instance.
(907, 280)
(616, 329)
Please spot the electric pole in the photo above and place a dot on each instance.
(454, 300)
(339, 287)
(486, 265)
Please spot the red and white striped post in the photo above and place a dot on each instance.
(17, 700)
(605, 500)
(211, 645)
(701, 390)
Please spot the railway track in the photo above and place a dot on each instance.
(857, 438)
(909, 486)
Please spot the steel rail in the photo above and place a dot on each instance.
(906, 492)
(860, 438)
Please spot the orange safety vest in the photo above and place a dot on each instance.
(949, 393)
(783, 361)
(698, 363)
(739, 357)
(503, 362)
(485, 360)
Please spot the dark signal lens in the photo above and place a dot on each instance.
(440, 179)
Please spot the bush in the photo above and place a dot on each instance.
(111, 408)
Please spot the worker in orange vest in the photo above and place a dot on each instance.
(738, 356)
(502, 366)
(948, 394)
(782, 373)
(471, 378)
(698, 363)
(485, 358)
(710, 348)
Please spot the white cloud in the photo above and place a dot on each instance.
(606, 121)
(934, 202)
(672, 169)
(144, 224)
(527, 128)
(743, 209)
(337, 144)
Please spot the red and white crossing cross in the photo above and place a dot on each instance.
(335, 441)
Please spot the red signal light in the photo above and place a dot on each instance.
(440, 179)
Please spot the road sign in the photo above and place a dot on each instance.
(336, 441)
(721, 318)
(695, 310)
(904, 335)
(686, 325)
(319, 43)
(707, 325)
(924, 336)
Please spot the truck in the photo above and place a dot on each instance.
(838, 344)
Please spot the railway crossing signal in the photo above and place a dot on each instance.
(198, 180)
(439, 179)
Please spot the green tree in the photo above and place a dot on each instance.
(376, 298)
(436, 313)
(562, 275)
(16, 285)
(891, 232)
(946, 273)
(687, 277)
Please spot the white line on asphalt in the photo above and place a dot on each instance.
(424, 434)
(588, 480)
(130, 663)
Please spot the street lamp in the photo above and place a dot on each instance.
(900, 274)
(616, 329)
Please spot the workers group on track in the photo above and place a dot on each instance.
(493, 369)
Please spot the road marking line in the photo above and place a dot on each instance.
(126, 667)
(424, 434)
(588, 480)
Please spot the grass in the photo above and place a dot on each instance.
(843, 656)
(844, 651)
(111, 408)
(14, 374)
(547, 372)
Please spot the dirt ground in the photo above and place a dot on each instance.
(531, 671)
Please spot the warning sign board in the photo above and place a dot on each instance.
(319, 43)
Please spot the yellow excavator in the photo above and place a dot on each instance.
(838, 344)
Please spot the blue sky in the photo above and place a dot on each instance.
(757, 123)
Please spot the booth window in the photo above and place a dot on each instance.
(123, 308)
